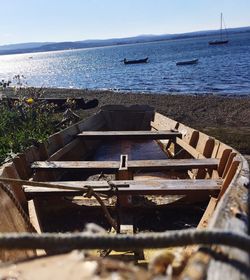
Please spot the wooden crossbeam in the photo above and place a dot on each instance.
(76, 165)
(132, 165)
(115, 135)
(130, 187)
(176, 164)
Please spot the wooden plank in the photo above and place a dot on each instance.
(12, 221)
(229, 176)
(191, 150)
(209, 147)
(131, 187)
(124, 174)
(208, 213)
(190, 135)
(162, 122)
(223, 161)
(229, 162)
(194, 137)
(203, 223)
(119, 117)
(94, 122)
(207, 152)
(217, 144)
(125, 218)
(143, 134)
(175, 164)
(132, 165)
(21, 166)
(60, 139)
(76, 165)
(204, 144)
(9, 171)
(34, 219)
(65, 149)
(231, 215)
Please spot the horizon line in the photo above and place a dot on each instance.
(115, 38)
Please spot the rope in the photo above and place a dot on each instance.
(45, 185)
(87, 240)
(83, 188)
(111, 221)
(19, 207)
(115, 190)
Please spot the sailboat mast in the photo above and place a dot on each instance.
(220, 40)
(221, 26)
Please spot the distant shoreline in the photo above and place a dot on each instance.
(25, 48)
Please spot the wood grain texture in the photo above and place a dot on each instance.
(12, 221)
(146, 134)
(131, 187)
(132, 165)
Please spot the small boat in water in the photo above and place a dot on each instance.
(221, 40)
(136, 61)
(218, 42)
(128, 170)
(187, 62)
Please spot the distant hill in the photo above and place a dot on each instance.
(48, 46)
(22, 46)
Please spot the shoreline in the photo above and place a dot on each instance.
(10, 89)
(213, 109)
(225, 118)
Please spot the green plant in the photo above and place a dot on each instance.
(25, 122)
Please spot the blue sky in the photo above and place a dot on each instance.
(72, 20)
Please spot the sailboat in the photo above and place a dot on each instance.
(221, 40)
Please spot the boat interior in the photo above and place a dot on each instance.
(125, 169)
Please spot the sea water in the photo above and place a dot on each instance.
(222, 69)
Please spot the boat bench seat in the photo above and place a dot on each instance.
(139, 134)
(131, 165)
(127, 187)
(103, 165)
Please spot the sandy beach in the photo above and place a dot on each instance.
(226, 118)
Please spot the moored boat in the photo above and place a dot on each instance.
(218, 42)
(222, 40)
(135, 61)
(127, 170)
(188, 62)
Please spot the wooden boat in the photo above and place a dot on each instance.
(136, 61)
(220, 41)
(187, 62)
(127, 170)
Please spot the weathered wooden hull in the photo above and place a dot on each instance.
(181, 166)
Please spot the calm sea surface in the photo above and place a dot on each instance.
(221, 69)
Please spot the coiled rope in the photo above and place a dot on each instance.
(87, 240)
